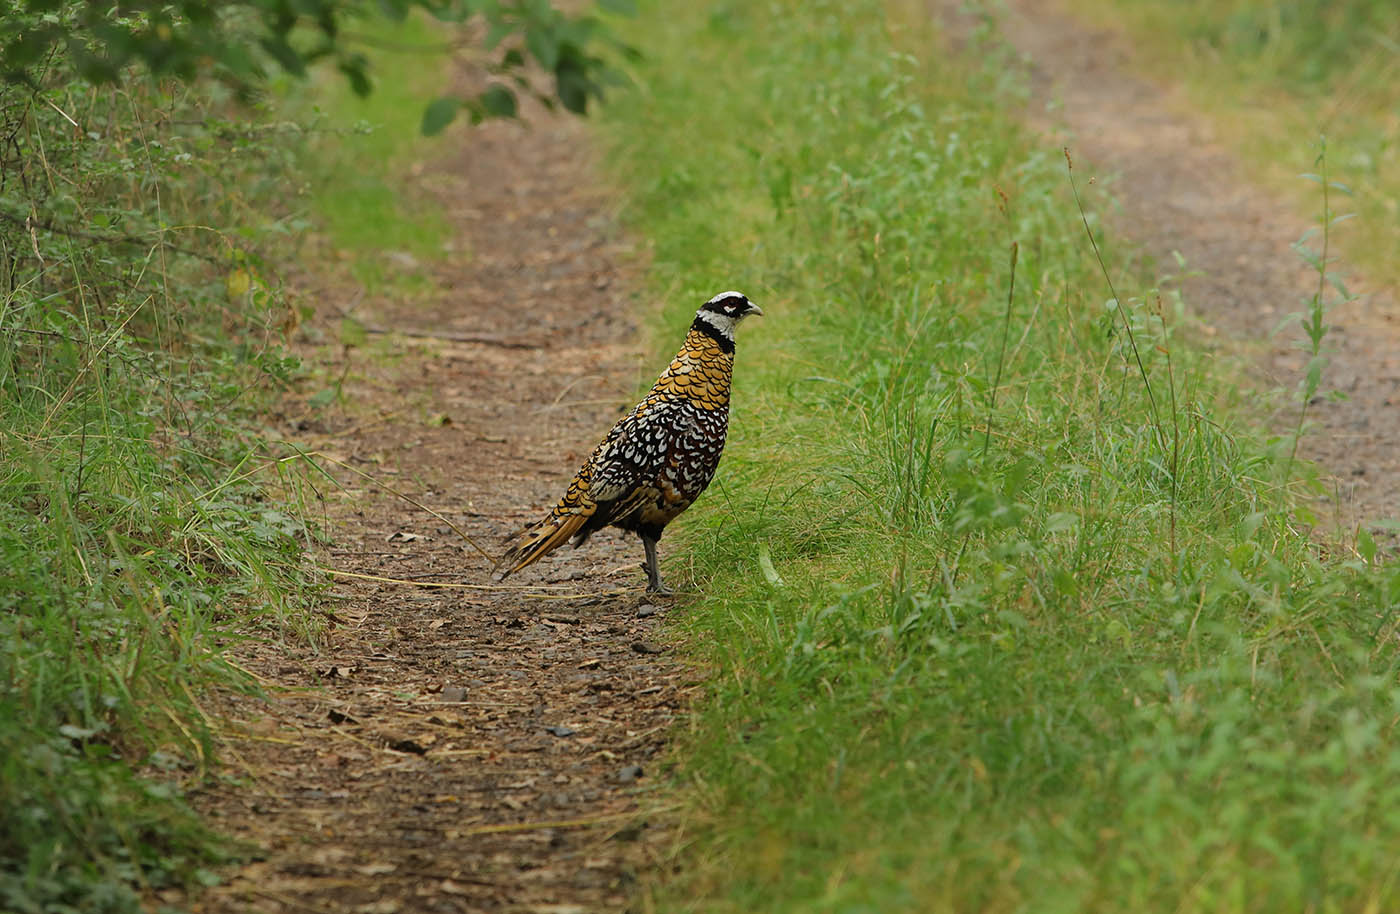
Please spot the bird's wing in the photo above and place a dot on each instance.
(634, 451)
(618, 478)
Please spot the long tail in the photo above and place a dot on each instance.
(543, 537)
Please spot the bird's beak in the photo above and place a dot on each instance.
(755, 309)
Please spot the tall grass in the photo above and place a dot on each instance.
(1027, 647)
(145, 524)
(142, 519)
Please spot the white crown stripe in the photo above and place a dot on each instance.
(723, 295)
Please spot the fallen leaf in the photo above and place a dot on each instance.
(765, 565)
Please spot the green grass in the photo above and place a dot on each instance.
(145, 525)
(1274, 75)
(142, 520)
(1084, 659)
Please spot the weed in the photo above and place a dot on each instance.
(1314, 319)
(1037, 645)
(138, 528)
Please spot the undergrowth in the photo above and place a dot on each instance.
(1043, 628)
(142, 519)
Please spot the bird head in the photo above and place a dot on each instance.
(725, 310)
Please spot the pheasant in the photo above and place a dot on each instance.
(658, 458)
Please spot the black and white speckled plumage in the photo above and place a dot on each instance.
(658, 458)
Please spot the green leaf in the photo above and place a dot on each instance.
(284, 54)
(543, 47)
(1312, 377)
(498, 101)
(354, 70)
(765, 565)
(1365, 544)
(496, 33)
(439, 113)
(572, 87)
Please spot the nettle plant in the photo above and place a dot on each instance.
(240, 42)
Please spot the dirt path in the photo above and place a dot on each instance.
(1180, 190)
(461, 749)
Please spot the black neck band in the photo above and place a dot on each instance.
(713, 332)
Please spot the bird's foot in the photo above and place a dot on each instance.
(654, 584)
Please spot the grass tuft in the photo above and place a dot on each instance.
(145, 524)
(988, 629)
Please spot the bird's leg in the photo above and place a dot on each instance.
(653, 570)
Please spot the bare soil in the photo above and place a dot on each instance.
(467, 746)
(1180, 190)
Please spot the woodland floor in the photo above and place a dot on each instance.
(459, 747)
(1180, 190)
(456, 748)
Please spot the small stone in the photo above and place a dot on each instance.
(629, 774)
(646, 647)
(647, 609)
(454, 693)
(560, 730)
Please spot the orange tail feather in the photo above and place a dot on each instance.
(539, 540)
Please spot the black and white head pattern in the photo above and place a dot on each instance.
(725, 310)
